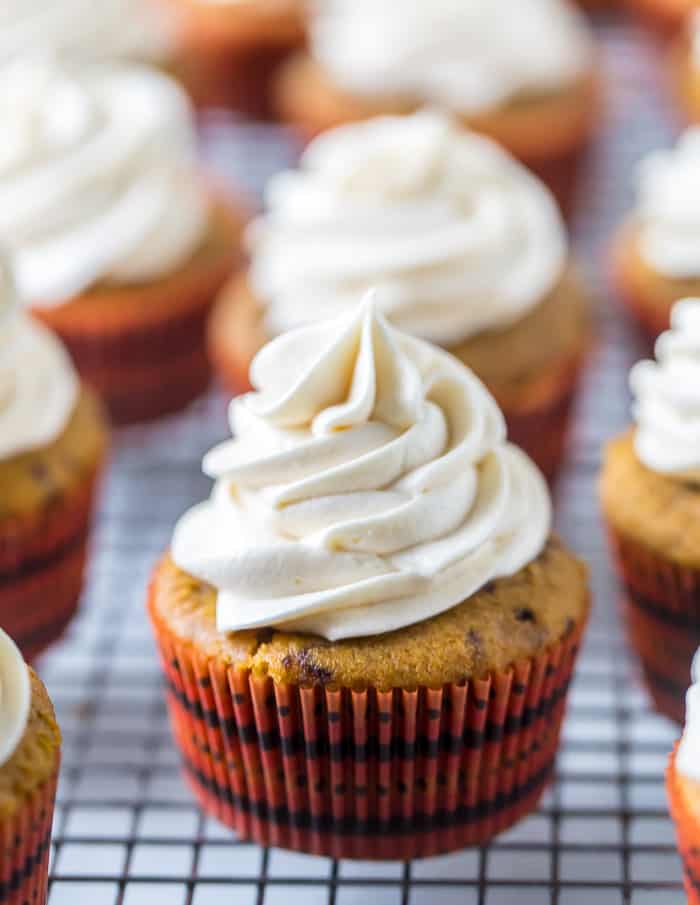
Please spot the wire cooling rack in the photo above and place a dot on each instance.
(127, 831)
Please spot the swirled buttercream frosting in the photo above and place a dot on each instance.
(668, 212)
(466, 55)
(667, 398)
(457, 235)
(369, 486)
(86, 29)
(96, 176)
(38, 384)
(688, 757)
(15, 697)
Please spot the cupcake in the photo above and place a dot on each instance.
(521, 72)
(30, 751)
(665, 17)
(368, 630)
(52, 445)
(117, 243)
(467, 248)
(683, 788)
(229, 50)
(134, 30)
(650, 489)
(656, 256)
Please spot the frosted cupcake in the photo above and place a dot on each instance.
(656, 256)
(135, 30)
(30, 750)
(117, 242)
(368, 631)
(231, 49)
(520, 71)
(52, 446)
(650, 490)
(467, 247)
(683, 787)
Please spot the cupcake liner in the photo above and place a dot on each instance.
(25, 842)
(370, 773)
(560, 173)
(662, 613)
(36, 605)
(687, 832)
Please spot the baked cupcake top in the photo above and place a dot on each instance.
(668, 208)
(688, 757)
(108, 29)
(39, 388)
(466, 55)
(370, 486)
(456, 234)
(15, 697)
(96, 176)
(667, 399)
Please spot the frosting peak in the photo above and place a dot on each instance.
(466, 55)
(457, 235)
(688, 757)
(369, 487)
(667, 393)
(96, 176)
(668, 211)
(15, 697)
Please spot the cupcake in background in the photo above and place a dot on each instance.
(656, 255)
(368, 630)
(52, 446)
(135, 30)
(650, 490)
(30, 753)
(467, 249)
(683, 788)
(665, 17)
(229, 50)
(520, 71)
(117, 242)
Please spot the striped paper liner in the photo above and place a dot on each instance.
(687, 831)
(367, 773)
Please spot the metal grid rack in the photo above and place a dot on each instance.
(127, 831)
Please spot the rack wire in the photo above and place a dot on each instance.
(127, 831)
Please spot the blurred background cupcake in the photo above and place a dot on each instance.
(30, 750)
(683, 788)
(52, 447)
(369, 630)
(229, 50)
(656, 255)
(467, 248)
(685, 67)
(117, 242)
(665, 17)
(650, 489)
(136, 30)
(521, 72)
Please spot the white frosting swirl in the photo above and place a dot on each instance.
(38, 384)
(370, 487)
(667, 391)
(467, 55)
(96, 176)
(457, 235)
(87, 29)
(688, 756)
(668, 209)
(15, 697)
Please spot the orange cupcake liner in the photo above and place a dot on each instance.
(25, 843)
(369, 774)
(687, 832)
(662, 614)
